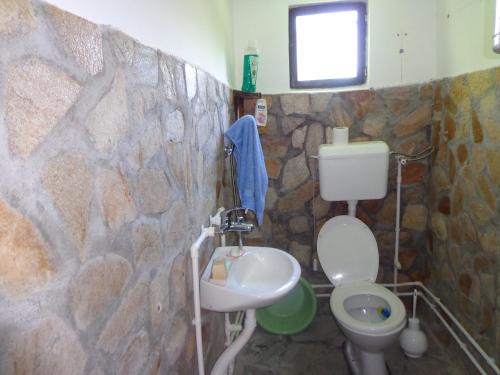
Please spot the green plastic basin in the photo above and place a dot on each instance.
(292, 314)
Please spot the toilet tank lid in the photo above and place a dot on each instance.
(360, 149)
(347, 251)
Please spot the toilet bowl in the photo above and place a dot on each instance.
(370, 316)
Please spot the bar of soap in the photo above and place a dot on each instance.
(219, 270)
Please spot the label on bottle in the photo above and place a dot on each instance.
(250, 68)
(261, 112)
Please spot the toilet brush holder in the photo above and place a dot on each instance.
(413, 340)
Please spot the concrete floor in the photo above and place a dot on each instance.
(318, 351)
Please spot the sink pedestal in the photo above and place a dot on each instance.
(222, 364)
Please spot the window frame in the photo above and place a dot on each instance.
(302, 10)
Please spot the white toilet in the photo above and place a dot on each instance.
(371, 316)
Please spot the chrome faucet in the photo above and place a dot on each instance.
(237, 225)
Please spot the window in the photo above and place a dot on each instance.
(327, 45)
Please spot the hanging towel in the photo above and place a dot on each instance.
(250, 168)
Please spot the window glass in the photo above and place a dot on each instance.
(327, 45)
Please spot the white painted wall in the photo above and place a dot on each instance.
(465, 29)
(198, 31)
(267, 22)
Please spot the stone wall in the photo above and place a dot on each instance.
(295, 212)
(464, 258)
(110, 160)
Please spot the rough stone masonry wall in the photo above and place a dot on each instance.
(295, 212)
(110, 162)
(464, 258)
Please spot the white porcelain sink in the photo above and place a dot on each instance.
(258, 278)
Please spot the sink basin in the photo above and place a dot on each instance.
(258, 278)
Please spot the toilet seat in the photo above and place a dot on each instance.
(393, 323)
(347, 250)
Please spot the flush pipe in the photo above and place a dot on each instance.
(195, 255)
(351, 207)
(223, 363)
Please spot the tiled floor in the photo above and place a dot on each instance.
(318, 351)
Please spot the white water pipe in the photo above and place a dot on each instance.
(460, 343)
(397, 264)
(195, 255)
(224, 361)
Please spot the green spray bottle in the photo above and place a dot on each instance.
(250, 67)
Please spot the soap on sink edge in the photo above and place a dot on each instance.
(220, 268)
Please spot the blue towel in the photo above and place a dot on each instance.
(250, 169)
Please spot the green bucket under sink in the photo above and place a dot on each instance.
(292, 314)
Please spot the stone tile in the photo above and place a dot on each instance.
(298, 137)
(320, 102)
(174, 126)
(129, 314)
(387, 213)
(190, 80)
(68, 182)
(339, 115)
(295, 103)
(374, 124)
(361, 102)
(295, 172)
(177, 282)
(487, 191)
(477, 130)
(159, 299)
(289, 124)
(415, 217)
(80, 38)
(49, 347)
(37, 96)
(407, 258)
(439, 227)
(175, 224)
(122, 46)
(167, 67)
(415, 121)
(97, 287)
(413, 173)
(141, 152)
(275, 147)
(493, 161)
(145, 65)
(153, 190)
(458, 199)
(117, 205)
(295, 200)
(462, 153)
(146, 241)
(299, 224)
(302, 253)
(16, 17)
(273, 168)
(108, 123)
(174, 345)
(480, 211)
(271, 198)
(25, 262)
(315, 137)
(135, 356)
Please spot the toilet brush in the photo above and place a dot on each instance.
(412, 339)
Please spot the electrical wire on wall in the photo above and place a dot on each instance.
(402, 36)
